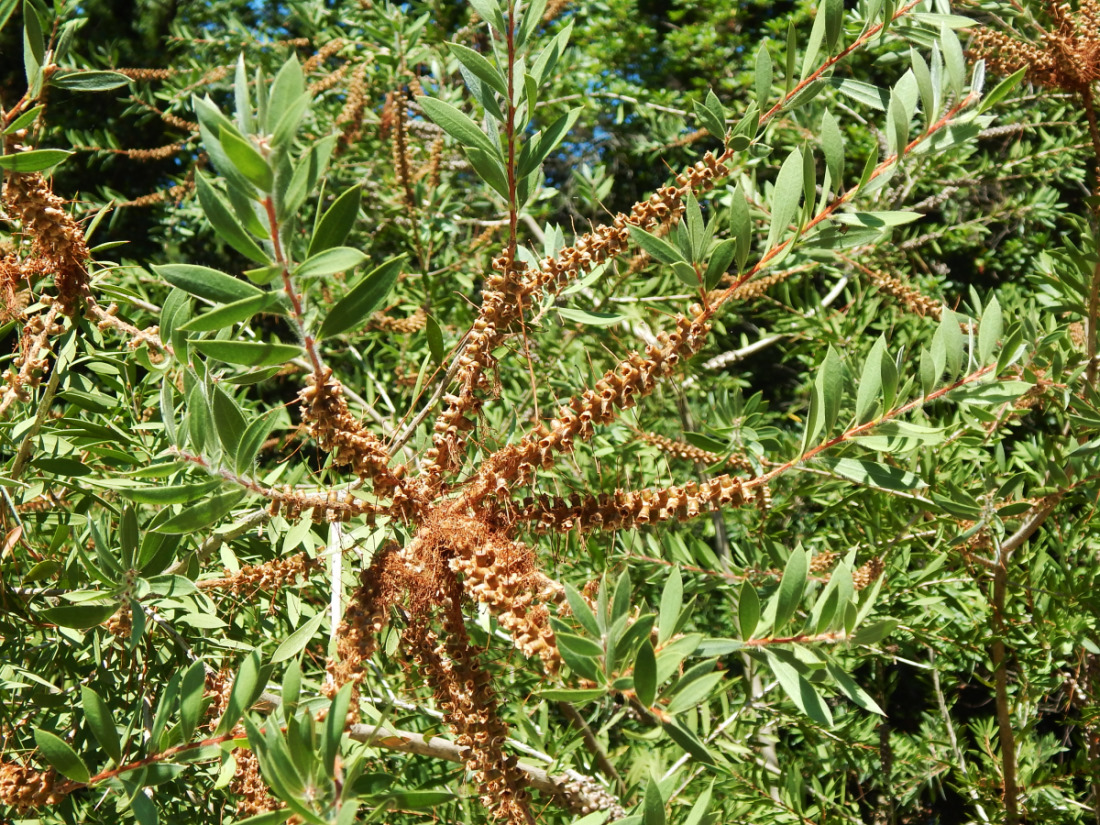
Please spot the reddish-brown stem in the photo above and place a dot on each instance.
(847, 435)
(297, 312)
(832, 61)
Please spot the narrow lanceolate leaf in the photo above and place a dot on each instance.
(763, 75)
(873, 474)
(658, 248)
(296, 641)
(748, 610)
(244, 693)
(225, 222)
(1002, 90)
(203, 282)
(199, 515)
(791, 586)
(989, 332)
(79, 616)
(247, 159)
(33, 161)
(713, 124)
(355, 307)
(591, 319)
(719, 263)
(61, 756)
(234, 313)
(852, 690)
(335, 225)
(97, 713)
(672, 601)
(832, 145)
(645, 674)
(329, 262)
(457, 125)
(861, 92)
(192, 687)
(870, 383)
(801, 692)
(785, 196)
(247, 353)
(93, 81)
(485, 71)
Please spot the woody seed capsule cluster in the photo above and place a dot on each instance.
(24, 789)
(624, 509)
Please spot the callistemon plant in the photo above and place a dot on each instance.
(415, 472)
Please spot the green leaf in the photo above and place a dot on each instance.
(35, 160)
(657, 248)
(748, 610)
(695, 692)
(1002, 90)
(763, 75)
(875, 632)
(79, 616)
(882, 476)
(335, 723)
(293, 644)
(61, 756)
(791, 586)
(247, 687)
(354, 308)
(831, 380)
(24, 120)
(741, 225)
(207, 283)
(457, 125)
(591, 319)
(582, 612)
(192, 686)
(645, 674)
(197, 516)
(688, 741)
(870, 383)
(709, 120)
(861, 92)
(575, 696)
(489, 11)
(653, 806)
(101, 723)
(482, 68)
(172, 493)
(288, 88)
(801, 692)
(852, 690)
(228, 420)
(330, 261)
(832, 145)
(672, 602)
(89, 81)
(224, 223)
(247, 159)
(287, 126)
(953, 59)
(989, 331)
(580, 645)
(335, 225)
(247, 353)
(952, 342)
(536, 150)
(785, 196)
(252, 442)
(234, 313)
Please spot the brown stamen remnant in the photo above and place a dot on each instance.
(1066, 57)
(351, 116)
(510, 290)
(364, 618)
(326, 415)
(465, 695)
(410, 323)
(57, 239)
(866, 575)
(635, 377)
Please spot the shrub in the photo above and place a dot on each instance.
(766, 496)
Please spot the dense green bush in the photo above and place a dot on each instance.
(592, 412)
